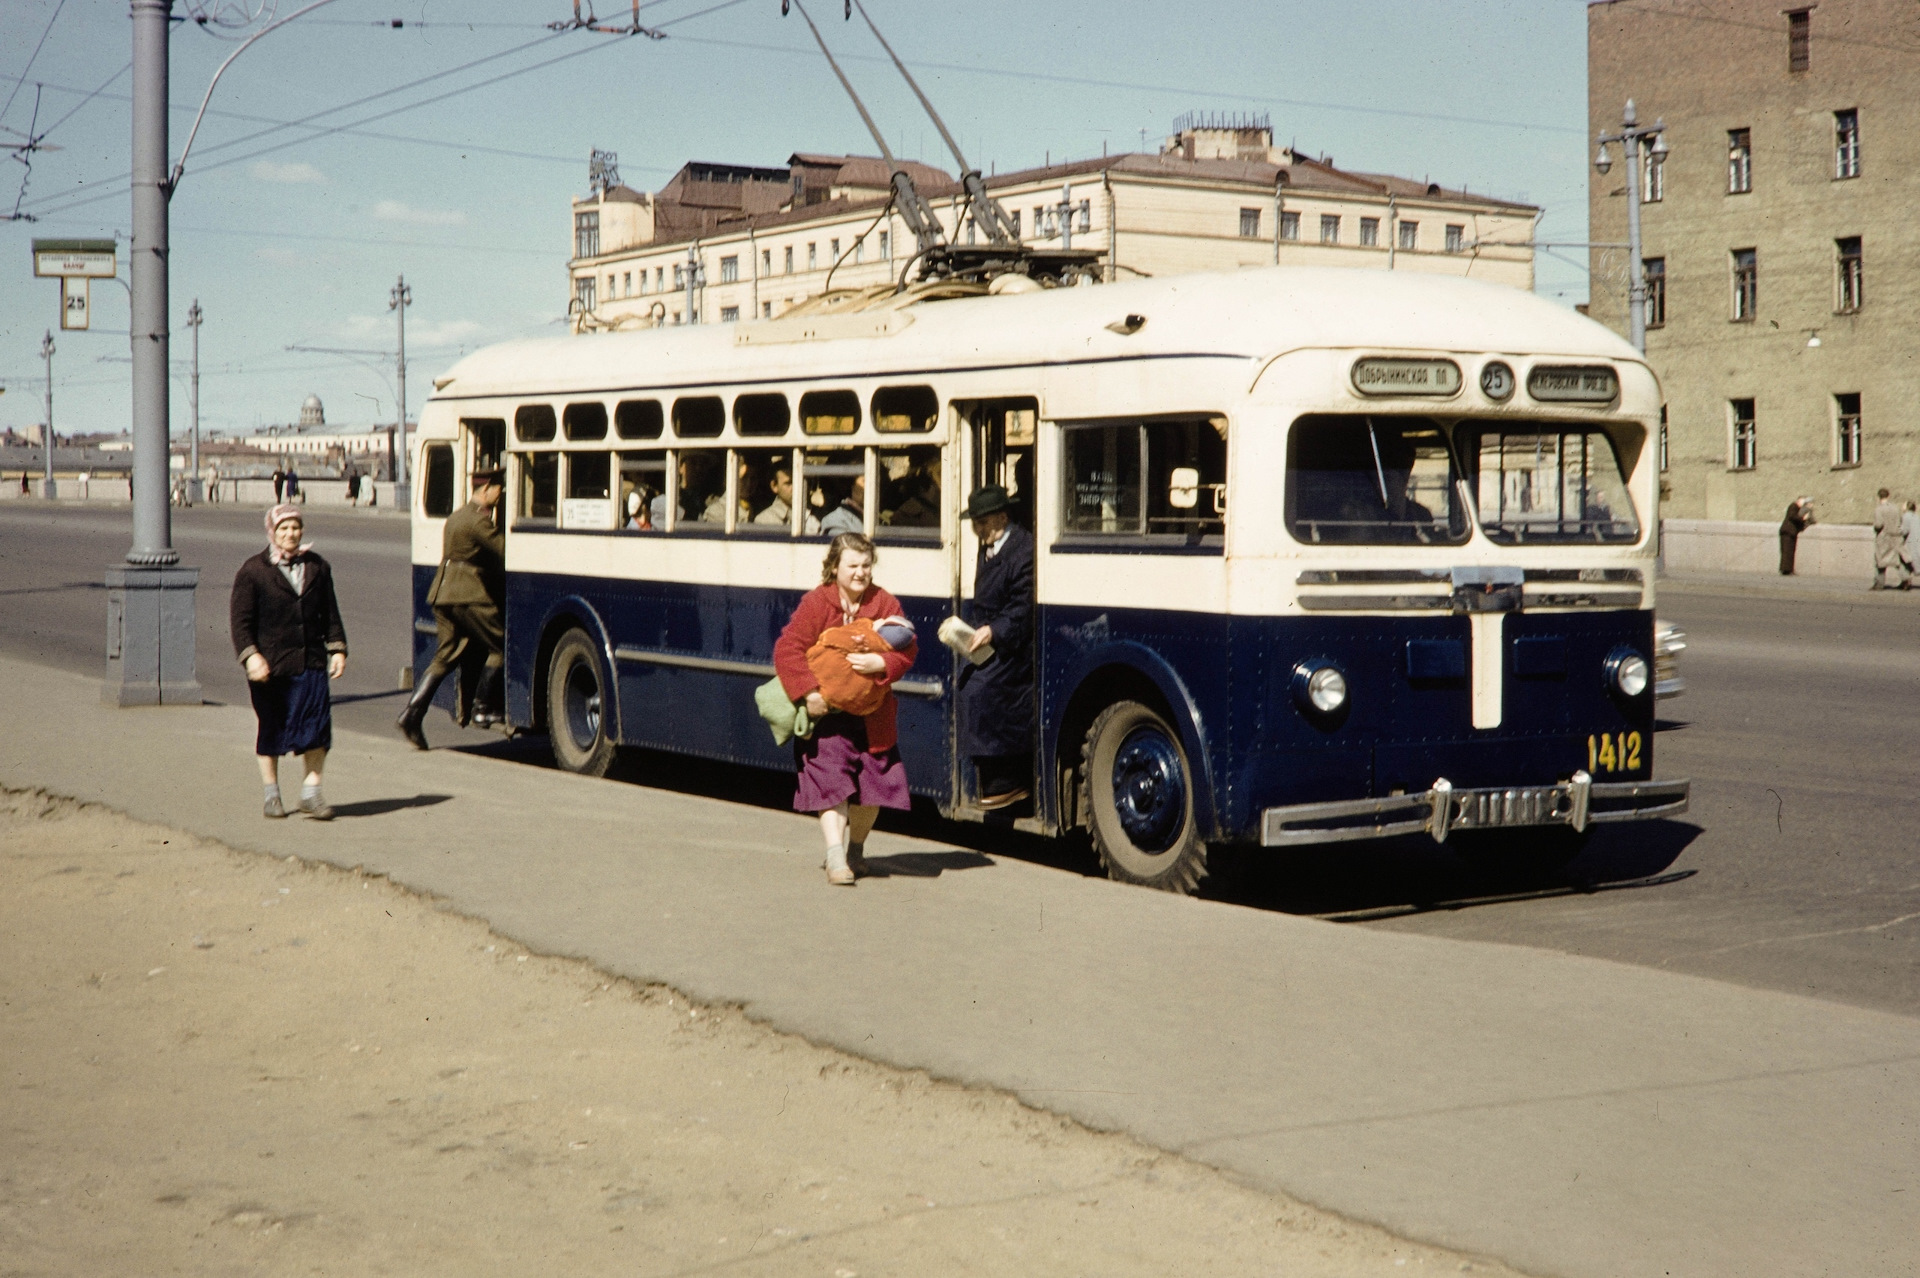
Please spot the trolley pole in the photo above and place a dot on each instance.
(150, 622)
(194, 318)
(398, 301)
(46, 435)
(1632, 138)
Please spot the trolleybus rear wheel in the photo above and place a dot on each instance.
(577, 706)
(1137, 791)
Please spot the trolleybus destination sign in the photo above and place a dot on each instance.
(1573, 384)
(1406, 377)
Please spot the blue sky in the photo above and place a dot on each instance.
(468, 195)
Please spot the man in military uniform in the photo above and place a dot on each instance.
(466, 595)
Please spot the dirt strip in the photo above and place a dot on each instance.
(214, 1063)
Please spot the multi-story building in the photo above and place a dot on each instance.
(1777, 250)
(727, 242)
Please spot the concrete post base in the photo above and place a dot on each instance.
(150, 626)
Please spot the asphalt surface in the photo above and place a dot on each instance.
(1800, 728)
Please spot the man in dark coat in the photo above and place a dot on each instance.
(996, 697)
(1798, 519)
(467, 594)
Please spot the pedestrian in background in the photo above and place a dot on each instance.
(1888, 545)
(1799, 518)
(1910, 535)
(279, 485)
(850, 767)
(288, 635)
(293, 487)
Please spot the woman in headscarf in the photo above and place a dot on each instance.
(850, 767)
(288, 634)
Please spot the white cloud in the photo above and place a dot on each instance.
(299, 173)
(395, 211)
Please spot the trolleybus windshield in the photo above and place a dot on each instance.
(1374, 481)
(1538, 484)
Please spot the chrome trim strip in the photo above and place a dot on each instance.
(931, 689)
(1372, 576)
(1376, 603)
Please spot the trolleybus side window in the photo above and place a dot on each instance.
(533, 423)
(638, 419)
(909, 496)
(643, 490)
(833, 481)
(766, 491)
(1534, 485)
(437, 501)
(1103, 480)
(1363, 479)
(539, 486)
(486, 443)
(703, 486)
(699, 417)
(1164, 480)
(832, 412)
(1003, 435)
(589, 501)
(586, 421)
(761, 414)
(905, 410)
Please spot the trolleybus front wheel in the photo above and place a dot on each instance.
(1137, 791)
(577, 700)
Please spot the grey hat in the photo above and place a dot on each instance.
(988, 500)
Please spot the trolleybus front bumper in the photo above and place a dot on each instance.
(1440, 811)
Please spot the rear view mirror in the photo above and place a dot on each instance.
(1183, 488)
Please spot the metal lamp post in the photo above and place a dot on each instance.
(46, 435)
(1632, 138)
(194, 318)
(398, 301)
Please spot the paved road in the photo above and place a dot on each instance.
(1801, 730)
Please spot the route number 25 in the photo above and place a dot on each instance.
(1617, 753)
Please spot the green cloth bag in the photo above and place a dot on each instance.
(787, 719)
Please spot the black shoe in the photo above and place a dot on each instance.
(486, 699)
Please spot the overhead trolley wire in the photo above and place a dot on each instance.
(32, 58)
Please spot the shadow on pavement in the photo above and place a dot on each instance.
(923, 865)
(380, 807)
(1380, 879)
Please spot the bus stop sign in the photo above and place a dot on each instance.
(76, 263)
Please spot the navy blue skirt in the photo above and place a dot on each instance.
(296, 715)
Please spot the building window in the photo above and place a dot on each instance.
(729, 270)
(789, 260)
(1039, 221)
(626, 283)
(766, 261)
(583, 292)
(860, 245)
(1745, 453)
(1666, 458)
(1249, 224)
(1409, 235)
(886, 241)
(1654, 271)
(1739, 161)
(1086, 216)
(643, 280)
(1846, 429)
(813, 257)
(1289, 226)
(1456, 238)
(1846, 144)
(1014, 217)
(729, 314)
(610, 293)
(1654, 188)
(1329, 228)
(833, 249)
(1799, 39)
(1850, 294)
(1746, 283)
(1369, 232)
(679, 277)
(586, 234)
(766, 310)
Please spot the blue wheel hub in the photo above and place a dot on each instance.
(583, 705)
(1149, 789)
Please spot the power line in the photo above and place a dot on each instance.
(32, 59)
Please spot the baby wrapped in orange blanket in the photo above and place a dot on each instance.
(843, 687)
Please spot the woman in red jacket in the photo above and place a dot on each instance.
(850, 767)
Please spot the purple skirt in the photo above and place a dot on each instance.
(836, 768)
(296, 715)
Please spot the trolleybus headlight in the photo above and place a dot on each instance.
(1628, 672)
(1319, 686)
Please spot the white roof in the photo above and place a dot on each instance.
(1256, 313)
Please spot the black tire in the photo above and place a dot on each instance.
(577, 707)
(1136, 794)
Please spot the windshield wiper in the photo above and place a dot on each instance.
(1379, 471)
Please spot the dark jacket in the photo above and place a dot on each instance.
(473, 555)
(293, 632)
(1797, 519)
(996, 699)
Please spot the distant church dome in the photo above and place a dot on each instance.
(311, 414)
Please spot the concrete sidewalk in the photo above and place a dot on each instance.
(1773, 585)
(1568, 1115)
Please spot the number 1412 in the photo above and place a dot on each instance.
(1619, 752)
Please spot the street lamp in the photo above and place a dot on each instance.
(46, 436)
(1632, 138)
